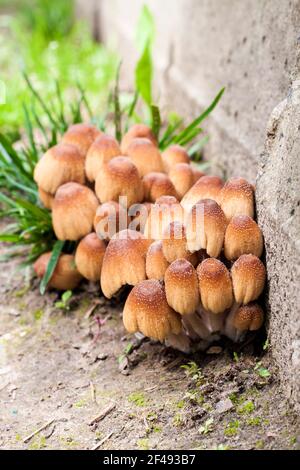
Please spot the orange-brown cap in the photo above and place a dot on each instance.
(145, 155)
(65, 275)
(60, 164)
(207, 187)
(46, 198)
(89, 256)
(146, 310)
(248, 317)
(173, 155)
(181, 286)
(103, 149)
(157, 185)
(165, 210)
(109, 219)
(73, 211)
(182, 177)
(237, 198)
(156, 263)
(119, 177)
(248, 278)
(137, 130)
(124, 261)
(242, 236)
(215, 285)
(174, 244)
(82, 136)
(205, 227)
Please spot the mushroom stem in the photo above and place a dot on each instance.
(229, 329)
(181, 342)
(214, 322)
(195, 327)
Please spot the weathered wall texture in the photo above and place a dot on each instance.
(251, 48)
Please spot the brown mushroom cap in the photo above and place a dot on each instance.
(207, 187)
(103, 149)
(145, 156)
(119, 177)
(173, 155)
(139, 214)
(157, 185)
(248, 278)
(165, 210)
(215, 285)
(60, 164)
(124, 261)
(146, 310)
(156, 263)
(82, 136)
(174, 244)
(237, 198)
(182, 177)
(110, 218)
(205, 227)
(248, 317)
(181, 286)
(137, 130)
(65, 275)
(89, 256)
(242, 236)
(46, 198)
(73, 211)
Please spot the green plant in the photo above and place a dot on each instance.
(232, 428)
(207, 426)
(64, 302)
(193, 372)
(138, 398)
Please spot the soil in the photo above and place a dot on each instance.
(67, 366)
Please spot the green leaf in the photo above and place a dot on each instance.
(66, 296)
(117, 107)
(57, 249)
(145, 30)
(263, 372)
(156, 120)
(143, 75)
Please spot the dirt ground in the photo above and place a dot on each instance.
(64, 368)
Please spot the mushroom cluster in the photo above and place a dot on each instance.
(187, 243)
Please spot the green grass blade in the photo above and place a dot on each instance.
(40, 100)
(117, 108)
(194, 149)
(156, 120)
(57, 249)
(143, 75)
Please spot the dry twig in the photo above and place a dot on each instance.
(103, 414)
(37, 431)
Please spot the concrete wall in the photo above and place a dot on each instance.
(252, 48)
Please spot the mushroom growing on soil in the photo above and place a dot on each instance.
(207, 187)
(174, 244)
(247, 317)
(165, 210)
(73, 211)
(182, 177)
(137, 130)
(156, 263)
(173, 155)
(110, 218)
(237, 198)
(65, 275)
(60, 164)
(82, 136)
(46, 198)
(103, 149)
(248, 278)
(124, 261)
(89, 256)
(145, 155)
(181, 286)
(205, 227)
(242, 236)
(157, 185)
(119, 177)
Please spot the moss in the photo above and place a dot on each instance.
(38, 442)
(180, 404)
(80, 403)
(255, 421)
(247, 408)
(177, 419)
(259, 444)
(232, 428)
(21, 292)
(138, 398)
(143, 444)
(18, 437)
(37, 314)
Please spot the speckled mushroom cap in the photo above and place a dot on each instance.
(73, 211)
(156, 185)
(248, 278)
(46, 198)
(89, 256)
(137, 130)
(242, 236)
(103, 149)
(237, 198)
(165, 210)
(205, 227)
(248, 317)
(82, 136)
(119, 177)
(173, 155)
(215, 285)
(182, 177)
(109, 219)
(207, 187)
(60, 164)
(65, 275)
(124, 261)
(146, 310)
(156, 263)
(145, 155)
(174, 243)
(181, 286)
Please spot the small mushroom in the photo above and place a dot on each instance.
(119, 178)
(248, 278)
(46, 198)
(165, 210)
(173, 155)
(89, 256)
(110, 218)
(156, 263)
(146, 310)
(103, 149)
(73, 211)
(174, 244)
(65, 275)
(207, 187)
(181, 286)
(60, 164)
(182, 177)
(242, 236)
(82, 136)
(157, 185)
(137, 130)
(248, 317)
(145, 155)
(237, 198)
